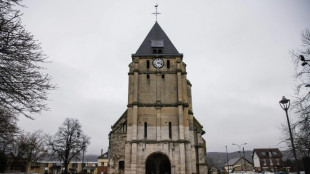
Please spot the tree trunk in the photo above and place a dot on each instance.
(66, 167)
(306, 162)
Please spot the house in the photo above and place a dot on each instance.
(214, 170)
(239, 165)
(90, 168)
(267, 159)
(56, 167)
(44, 167)
(103, 163)
(48, 165)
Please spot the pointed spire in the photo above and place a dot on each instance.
(157, 39)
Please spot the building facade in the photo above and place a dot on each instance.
(269, 159)
(56, 167)
(103, 164)
(158, 132)
(237, 165)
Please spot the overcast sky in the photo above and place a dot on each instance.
(237, 54)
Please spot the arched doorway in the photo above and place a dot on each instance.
(157, 163)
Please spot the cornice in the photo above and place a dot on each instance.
(156, 55)
(203, 164)
(199, 146)
(157, 104)
(190, 112)
(157, 72)
(156, 141)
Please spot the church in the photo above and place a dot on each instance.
(158, 133)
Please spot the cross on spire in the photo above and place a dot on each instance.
(156, 13)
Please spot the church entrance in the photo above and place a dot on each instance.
(158, 163)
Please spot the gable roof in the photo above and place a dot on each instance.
(264, 152)
(232, 161)
(156, 38)
(235, 160)
(103, 156)
(124, 115)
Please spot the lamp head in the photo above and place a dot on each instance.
(304, 63)
(284, 100)
(284, 103)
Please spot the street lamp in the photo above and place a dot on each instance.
(227, 159)
(239, 146)
(285, 104)
(240, 152)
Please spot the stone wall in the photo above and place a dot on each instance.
(117, 141)
(157, 97)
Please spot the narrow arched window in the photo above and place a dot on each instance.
(168, 63)
(147, 64)
(170, 130)
(145, 129)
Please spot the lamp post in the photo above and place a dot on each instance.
(227, 159)
(285, 104)
(83, 157)
(240, 152)
(239, 147)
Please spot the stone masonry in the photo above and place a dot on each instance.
(158, 132)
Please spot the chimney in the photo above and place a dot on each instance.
(101, 151)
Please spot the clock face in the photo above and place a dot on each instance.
(158, 63)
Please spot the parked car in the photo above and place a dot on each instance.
(281, 172)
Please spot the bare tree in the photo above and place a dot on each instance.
(302, 128)
(31, 146)
(301, 103)
(8, 131)
(23, 85)
(68, 142)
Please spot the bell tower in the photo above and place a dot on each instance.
(162, 135)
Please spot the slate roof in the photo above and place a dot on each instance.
(235, 160)
(103, 156)
(264, 152)
(156, 38)
(89, 168)
(89, 158)
(232, 161)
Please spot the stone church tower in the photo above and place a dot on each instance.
(158, 133)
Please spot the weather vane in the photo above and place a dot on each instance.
(156, 13)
